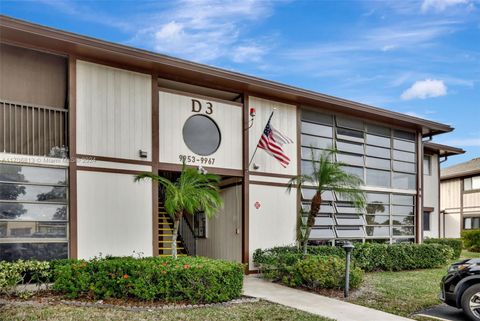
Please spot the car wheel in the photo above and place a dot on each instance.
(471, 302)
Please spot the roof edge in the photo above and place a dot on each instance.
(434, 128)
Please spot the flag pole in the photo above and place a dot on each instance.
(256, 147)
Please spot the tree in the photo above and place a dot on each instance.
(327, 175)
(192, 192)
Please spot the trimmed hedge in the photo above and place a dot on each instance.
(471, 240)
(368, 256)
(13, 274)
(191, 279)
(455, 244)
(325, 272)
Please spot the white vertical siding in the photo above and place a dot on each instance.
(175, 109)
(114, 215)
(114, 111)
(450, 202)
(471, 203)
(431, 197)
(274, 223)
(285, 120)
(224, 239)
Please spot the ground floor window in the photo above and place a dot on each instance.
(426, 221)
(33, 212)
(470, 223)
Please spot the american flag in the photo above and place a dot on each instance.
(272, 141)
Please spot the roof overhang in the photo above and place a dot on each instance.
(31, 35)
(469, 173)
(442, 150)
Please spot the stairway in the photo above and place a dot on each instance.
(165, 229)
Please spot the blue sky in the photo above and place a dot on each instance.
(416, 57)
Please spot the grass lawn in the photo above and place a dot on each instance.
(261, 311)
(402, 293)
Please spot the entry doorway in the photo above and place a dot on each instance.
(219, 237)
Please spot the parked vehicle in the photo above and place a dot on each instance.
(460, 288)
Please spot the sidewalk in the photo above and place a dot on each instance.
(313, 303)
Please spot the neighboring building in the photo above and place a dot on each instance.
(460, 198)
(81, 116)
(433, 155)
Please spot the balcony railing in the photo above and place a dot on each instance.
(33, 130)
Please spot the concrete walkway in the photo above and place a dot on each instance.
(317, 304)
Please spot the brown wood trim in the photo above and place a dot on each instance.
(188, 94)
(419, 196)
(269, 184)
(72, 169)
(471, 191)
(428, 209)
(155, 160)
(299, 164)
(271, 174)
(462, 192)
(246, 183)
(112, 64)
(439, 209)
(108, 170)
(114, 159)
(214, 170)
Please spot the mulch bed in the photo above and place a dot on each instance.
(42, 298)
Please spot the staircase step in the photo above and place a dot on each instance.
(168, 241)
(165, 229)
(169, 248)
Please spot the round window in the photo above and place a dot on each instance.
(201, 134)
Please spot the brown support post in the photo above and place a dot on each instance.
(299, 160)
(155, 161)
(419, 196)
(72, 169)
(439, 209)
(245, 185)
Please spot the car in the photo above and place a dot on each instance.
(460, 288)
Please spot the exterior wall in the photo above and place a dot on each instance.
(176, 108)
(114, 215)
(32, 77)
(471, 203)
(431, 197)
(450, 204)
(114, 112)
(285, 120)
(224, 231)
(274, 222)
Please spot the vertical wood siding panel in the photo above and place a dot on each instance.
(114, 112)
(113, 214)
(284, 120)
(175, 109)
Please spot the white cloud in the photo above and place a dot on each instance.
(246, 53)
(205, 30)
(425, 89)
(440, 5)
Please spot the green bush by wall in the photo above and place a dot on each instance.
(369, 257)
(192, 279)
(471, 240)
(455, 244)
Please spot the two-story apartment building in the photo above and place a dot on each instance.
(460, 198)
(79, 117)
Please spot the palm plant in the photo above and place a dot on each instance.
(327, 175)
(190, 193)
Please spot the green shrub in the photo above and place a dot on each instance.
(275, 262)
(192, 279)
(14, 274)
(326, 272)
(471, 240)
(455, 244)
